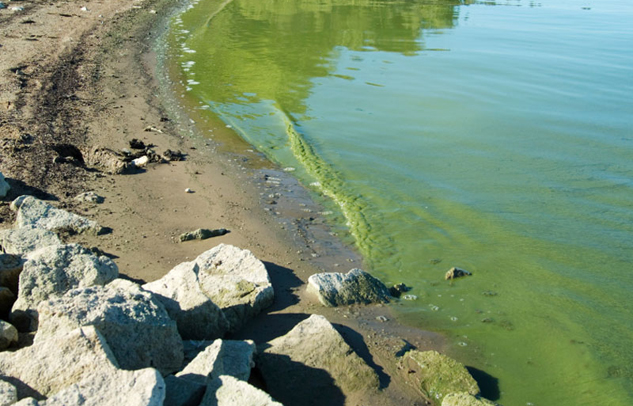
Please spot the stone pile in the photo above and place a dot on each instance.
(101, 340)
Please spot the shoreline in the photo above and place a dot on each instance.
(86, 79)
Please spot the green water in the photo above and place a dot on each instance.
(496, 137)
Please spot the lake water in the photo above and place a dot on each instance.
(492, 136)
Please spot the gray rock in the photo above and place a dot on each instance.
(52, 271)
(21, 241)
(436, 375)
(49, 366)
(194, 347)
(197, 317)
(229, 391)
(8, 335)
(135, 325)
(202, 234)
(8, 394)
(4, 186)
(10, 269)
(456, 273)
(465, 399)
(181, 392)
(89, 197)
(145, 387)
(7, 298)
(356, 286)
(223, 357)
(36, 213)
(314, 359)
(230, 277)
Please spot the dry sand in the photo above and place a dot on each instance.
(84, 74)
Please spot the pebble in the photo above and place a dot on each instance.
(382, 319)
(188, 190)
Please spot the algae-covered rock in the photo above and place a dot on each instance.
(437, 375)
(314, 360)
(356, 286)
(465, 399)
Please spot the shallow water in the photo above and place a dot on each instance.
(496, 137)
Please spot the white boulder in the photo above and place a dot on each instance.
(49, 366)
(36, 213)
(223, 357)
(230, 277)
(21, 241)
(52, 271)
(229, 391)
(314, 358)
(144, 387)
(135, 324)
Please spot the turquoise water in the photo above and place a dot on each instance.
(496, 137)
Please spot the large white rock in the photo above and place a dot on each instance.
(145, 387)
(197, 317)
(223, 357)
(8, 394)
(230, 277)
(135, 324)
(8, 335)
(52, 271)
(21, 241)
(229, 391)
(49, 366)
(4, 186)
(356, 286)
(314, 359)
(36, 213)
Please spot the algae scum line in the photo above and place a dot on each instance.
(495, 137)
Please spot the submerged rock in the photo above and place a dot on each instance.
(398, 289)
(135, 325)
(437, 375)
(36, 213)
(456, 273)
(356, 286)
(314, 359)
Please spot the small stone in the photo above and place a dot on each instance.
(456, 273)
(188, 190)
(140, 162)
(382, 319)
(8, 335)
(89, 197)
(203, 234)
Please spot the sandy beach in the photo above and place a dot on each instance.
(77, 75)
